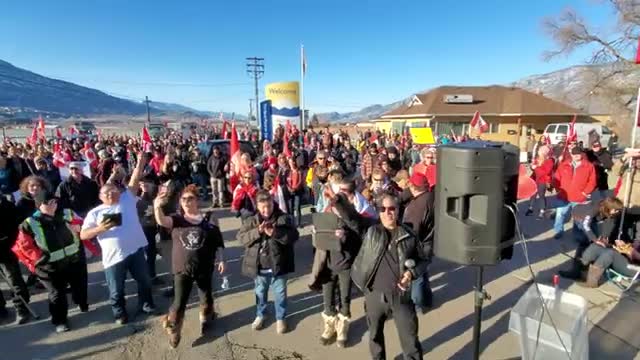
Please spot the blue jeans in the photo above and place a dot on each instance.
(201, 181)
(421, 294)
(136, 265)
(279, 286)
(561, 216)
(293, 207)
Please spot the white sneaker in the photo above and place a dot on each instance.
(257, 323)
(281, 327)
(62, 328)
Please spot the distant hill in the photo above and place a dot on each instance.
(20, 88)
(22, 91)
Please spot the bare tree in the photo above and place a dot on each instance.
(614, 76)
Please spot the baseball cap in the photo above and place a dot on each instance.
(419, 180)
(44, 197)
(576, 150)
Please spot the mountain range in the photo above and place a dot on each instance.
(24, 92)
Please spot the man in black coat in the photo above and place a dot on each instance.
(268, 238)
(389, 259)
(419, 214)
(78, 192)
(217, 167)
(9, 263)
(602, 161)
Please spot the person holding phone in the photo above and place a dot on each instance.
(196, 242)
(268, 238)
(116, 225)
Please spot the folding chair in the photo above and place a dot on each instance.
(622, 281)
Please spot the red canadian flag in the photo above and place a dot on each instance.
(572, 135)
(58, 133)
(41, 132)
(146, 139)
(478, 123)
(638, 52)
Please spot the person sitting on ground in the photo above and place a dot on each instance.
(599, 257)
(594, 224)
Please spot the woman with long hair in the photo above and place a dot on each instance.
(294, 187)
(542, 167)
(197, 241)
(30, 187)
(594, 227)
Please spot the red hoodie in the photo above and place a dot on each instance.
(542, 173)
(575, 184)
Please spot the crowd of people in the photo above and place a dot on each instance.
(127, 200)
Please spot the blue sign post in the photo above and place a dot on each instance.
(266, 124)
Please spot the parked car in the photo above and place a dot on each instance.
(245, 146)
(558, 132)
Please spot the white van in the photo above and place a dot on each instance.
(558, 132)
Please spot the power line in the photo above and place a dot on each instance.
(152, 83)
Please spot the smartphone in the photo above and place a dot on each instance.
(114, 218)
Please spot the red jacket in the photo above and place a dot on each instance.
(240, 193)
(30, 254)
(574, 184)
(543, 173)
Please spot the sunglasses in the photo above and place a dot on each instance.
(387, 208)
(74, 169)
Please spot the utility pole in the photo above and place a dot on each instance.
(255, 69)
(146, 101)
(250, 111)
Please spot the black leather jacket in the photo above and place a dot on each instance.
(372, 249)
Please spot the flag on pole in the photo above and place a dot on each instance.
(58, 133)
(572, 135)
(33, 139)
(72, 131)
(478, 123)
(304, 61)
(285, 148)
(225, 133)
(638, 52)
(146, 139)
(41, 133)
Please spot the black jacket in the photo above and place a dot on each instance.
(25, 207)
(9, 228)
(216, 165)
(78, 196)
(602, 162)
(280, 244)
(419, 214)
(372, 249)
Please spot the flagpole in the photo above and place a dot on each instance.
(302, 120)
(631, 169)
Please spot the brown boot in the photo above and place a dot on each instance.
(593, 276)
(172, 323)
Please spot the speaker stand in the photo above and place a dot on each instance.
(480, 296)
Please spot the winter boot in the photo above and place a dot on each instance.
(575, 272)
(172, 323)
(329, 329)
(206, 316)
(342, 330)
(594, 276)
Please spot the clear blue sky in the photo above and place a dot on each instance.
(358, 52)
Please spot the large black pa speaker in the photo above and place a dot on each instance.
(475, 181)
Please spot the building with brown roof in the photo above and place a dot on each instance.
(509, 111)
